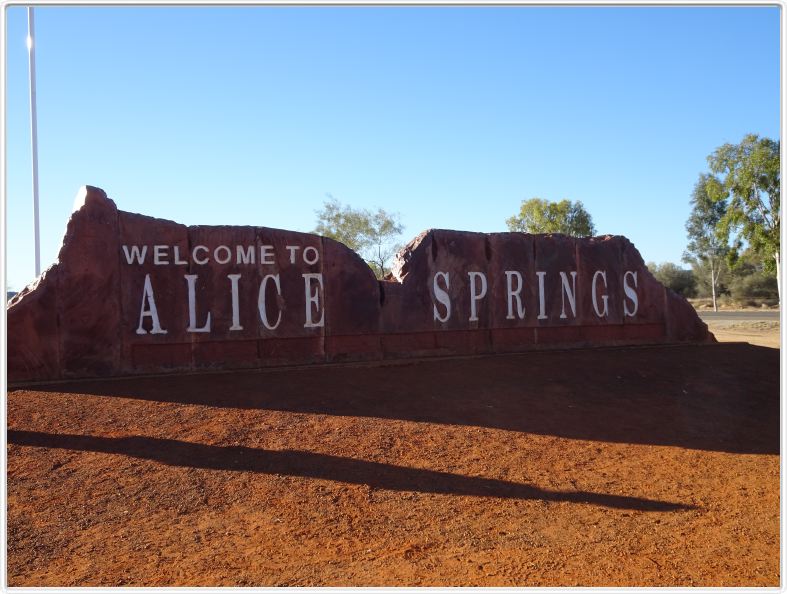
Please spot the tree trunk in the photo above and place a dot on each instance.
(713, 280)
(380, 262)
(778, 277)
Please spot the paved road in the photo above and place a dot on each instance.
(770, 315)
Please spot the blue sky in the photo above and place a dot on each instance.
(449, 116)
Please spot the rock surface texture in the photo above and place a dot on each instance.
(131, 294)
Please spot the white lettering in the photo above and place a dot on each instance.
(542, 315)
(226, 250)
(630, 293)
(307, 259)
(313, 298)
(261, 301)
(192, 327)
(514, 294)
(135, 254)
(201, 248)
(177, 256)
(244, 256)
(474, 295)
(292, 249)
(235, 314)
(159, 253)
(604, 297)
(266, 254)
(147, 295)
(442, 297)
(570, 293)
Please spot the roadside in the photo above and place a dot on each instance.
(758, 333)
(724, 303)
(758, 328)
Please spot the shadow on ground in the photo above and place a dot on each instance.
(322, 466)
(722, 397)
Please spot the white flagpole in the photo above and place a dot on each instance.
(31, 53)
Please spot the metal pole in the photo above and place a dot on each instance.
(31, 53)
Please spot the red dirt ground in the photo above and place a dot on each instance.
(649, 466)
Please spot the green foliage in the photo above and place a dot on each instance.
(702, 275)
(541, 216)
(745, 282)
(343, 224)
(754, 287)
(706, 240)
(674, 277)
(749, 280)
(372, 234)
(749, 183)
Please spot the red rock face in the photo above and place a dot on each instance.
(131, 294)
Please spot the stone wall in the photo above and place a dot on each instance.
(131, 294)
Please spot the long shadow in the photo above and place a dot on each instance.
(322, 466)
(718, 397)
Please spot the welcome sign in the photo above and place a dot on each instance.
(132, 294)
(222, 255)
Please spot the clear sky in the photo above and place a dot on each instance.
(449, 116)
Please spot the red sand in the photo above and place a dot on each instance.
(651, 466)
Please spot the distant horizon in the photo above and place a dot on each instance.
(449, 116)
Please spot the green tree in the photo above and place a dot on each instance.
(372, 234)
(702, 274)
(750, 179)
(542, 216)
(708, 241)
(748, 280)
(674, 277)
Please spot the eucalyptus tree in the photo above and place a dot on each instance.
(542, 216)
(708, 241)
(749, 175)
(373, 234)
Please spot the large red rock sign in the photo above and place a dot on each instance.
(132, 294)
